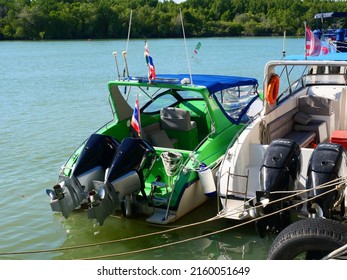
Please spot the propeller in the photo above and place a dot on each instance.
(101, 193)
(51, 194)
(264, 201)
(96, 196)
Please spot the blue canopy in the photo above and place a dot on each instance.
(331, 15)
(213, 83)
(330, 56)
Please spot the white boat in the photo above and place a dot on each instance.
(290, 161)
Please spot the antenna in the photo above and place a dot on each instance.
(115, 58)
(185, 43)
(284, 45)
(124, 53)
(131, 16)
(126, 70)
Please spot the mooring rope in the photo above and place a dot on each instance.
(218, 216)
(105, 242)
(203, 235)
(336, 253)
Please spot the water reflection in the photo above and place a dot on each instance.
(126, 239)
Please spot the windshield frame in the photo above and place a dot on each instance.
(307, 75)
(238, 108)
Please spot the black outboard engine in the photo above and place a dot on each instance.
(72, 191)
(325, 165)
(279, 172)
(123, 180)
(99, 150)
(132, 154)
(96, 157)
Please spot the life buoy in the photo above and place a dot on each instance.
(312, 239)
(272, 89)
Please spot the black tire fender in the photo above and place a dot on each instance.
(308, 235)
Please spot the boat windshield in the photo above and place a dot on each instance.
(152, 99)
(296, 77)
(236, 102)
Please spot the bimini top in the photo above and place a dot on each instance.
(331, 15)
(213, 83)
(328, 57)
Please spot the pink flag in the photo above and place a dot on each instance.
(313, 45)
(135, 119)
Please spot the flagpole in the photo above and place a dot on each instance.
(284, 45)
(129, 29)
(140, 126)
(124, 53)
(136, 118)
(185, 43)
(115, 58)
(305, 51)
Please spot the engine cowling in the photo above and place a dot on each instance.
(279, 171)
(281, 166)
(124, 180)
(327, 161)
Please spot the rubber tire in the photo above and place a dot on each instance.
(315, 237)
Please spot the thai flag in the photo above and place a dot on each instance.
(313, 44)
(135, 119)
(150, 64)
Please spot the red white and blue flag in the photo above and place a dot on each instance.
(150, 64)
(135, 119)
(313, 44)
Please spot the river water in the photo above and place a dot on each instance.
(53, 95)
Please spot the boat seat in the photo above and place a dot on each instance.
(317, 126)
(176, 118)
(157, 137)
(161, 139)
(320, 109)
(316, 105)
(178, 125)
(284, 127)
(303, 138)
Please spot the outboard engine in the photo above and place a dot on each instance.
(123, 180)
(98, 151)
(327, 162)
(279, 171)
(71, 191)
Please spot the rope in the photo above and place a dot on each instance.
(171, 162)
(336, 253)
(295, 193)
(218, 216)
(105, 242)
(200, 236)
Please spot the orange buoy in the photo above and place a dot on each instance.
(272, 89)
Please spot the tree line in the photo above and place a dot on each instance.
(102, 19)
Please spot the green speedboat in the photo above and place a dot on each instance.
(159, 157)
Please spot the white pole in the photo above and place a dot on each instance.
(124, 53)
(185, 43)
(284, 44)
(131, 16)
(115, 58)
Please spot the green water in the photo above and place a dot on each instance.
(53, 95)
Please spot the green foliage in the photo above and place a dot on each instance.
(80, 19)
